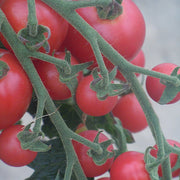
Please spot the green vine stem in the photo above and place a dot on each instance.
(66, 135)
(88, 32)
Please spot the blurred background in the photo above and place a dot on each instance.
(162, 44)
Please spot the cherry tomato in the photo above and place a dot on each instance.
(173, 158)
(89, 167)
(50, 77)
(154, 87)
(15, 91)
(129, 166)
(139, 60)
(16, 12)
(89, 103)
(125, 33)
(130, 113)
(11, 152)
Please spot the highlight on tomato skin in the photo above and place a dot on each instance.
(130, 113)
(155, 88)
(173, 157)
(88, 101)
(11, 152)
(89, 167)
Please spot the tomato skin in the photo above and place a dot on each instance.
(88, 102)
(15, 91)
(129, 166)
(50, 77)
(125, 33)
(89, 167)
(11, 152)
(173, 158)
(139, 60)
(16, 12)
(155, 88)
(130, 113)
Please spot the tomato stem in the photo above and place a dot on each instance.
(32, 19)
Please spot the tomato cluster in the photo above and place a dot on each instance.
(126, 34)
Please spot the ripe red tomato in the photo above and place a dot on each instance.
(88, 102)
(130, 113)
(173, 158)
(11, 152)
(89, 167)
(16, 12)
(129, 166)
(15, 91)
(125, 33)
(139, 60)
(50, 77)
(154, 87)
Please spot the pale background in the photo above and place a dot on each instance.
(162, 44)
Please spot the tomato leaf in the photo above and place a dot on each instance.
(171, 90)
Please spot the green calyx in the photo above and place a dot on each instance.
(4, 68)
(110, 12)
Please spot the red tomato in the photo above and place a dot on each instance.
(16, 12)
(139, 60)
(173, 158)
(11, 152)
(125, 33)
(88, 102)
(15, 91)
(155, 88)
(89, 167)
(130, 113)
(129, 166)
(50, 77)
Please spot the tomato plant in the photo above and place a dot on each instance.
(120, 33)
(50, 77)
(173, 158)
(89, 167)
(129, 166)
(17, 12)
(155, 87)
(88, 102)
(15, 91)
(130, 113)
(11, 152)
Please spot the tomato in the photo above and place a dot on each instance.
(154, 87)
(130, 113)
(50, 77)
(139, 60)
(16, 12)
(15, 91)
(173, 158)
(125, 33)
(88, 102)
(129, 166)
(11, 152)
(89, 167)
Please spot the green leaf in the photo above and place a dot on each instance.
(171, 90)
(50, 165)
